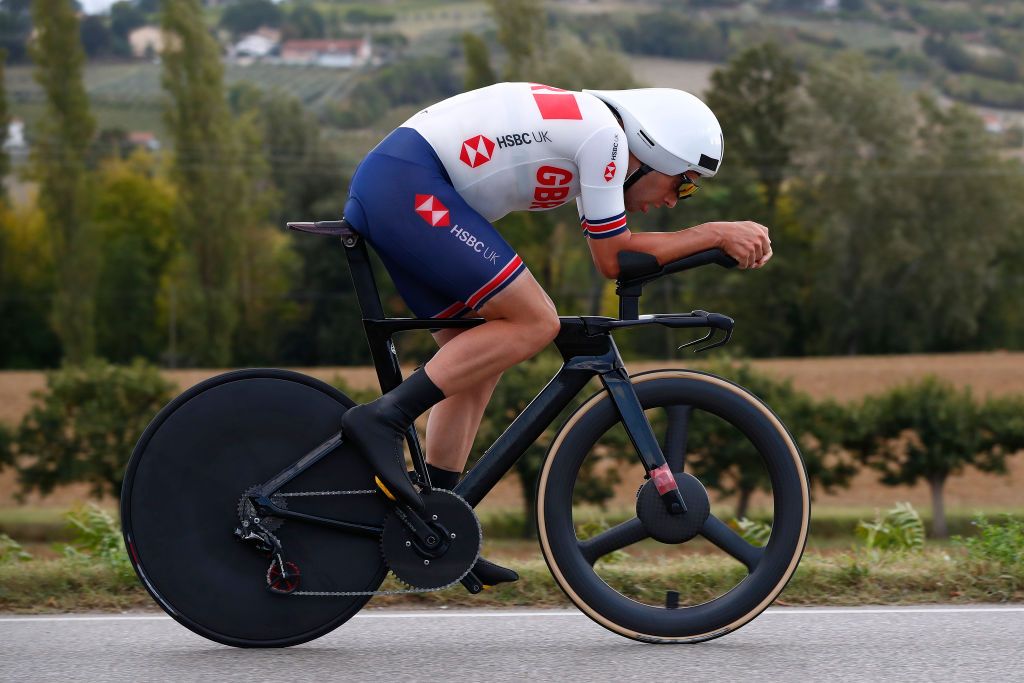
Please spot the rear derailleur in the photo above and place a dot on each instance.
(282, 575)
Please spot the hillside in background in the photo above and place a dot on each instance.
(971, 51)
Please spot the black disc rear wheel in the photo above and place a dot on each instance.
(180, 499)
(661, 578)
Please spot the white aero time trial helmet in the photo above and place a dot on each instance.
(669, 130)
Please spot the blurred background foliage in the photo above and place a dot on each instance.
(896, 207)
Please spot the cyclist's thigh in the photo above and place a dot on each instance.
(523, 299)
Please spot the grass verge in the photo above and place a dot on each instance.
(852, 578)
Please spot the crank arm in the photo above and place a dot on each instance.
(428, 538)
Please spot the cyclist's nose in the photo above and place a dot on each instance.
(670, 200)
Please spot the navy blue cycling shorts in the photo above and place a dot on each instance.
(444, 257)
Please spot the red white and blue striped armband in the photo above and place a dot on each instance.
(606, 227)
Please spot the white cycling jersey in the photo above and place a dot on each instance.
(525, 146)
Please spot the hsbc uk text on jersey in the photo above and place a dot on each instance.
(516, 139)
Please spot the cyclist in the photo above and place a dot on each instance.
(425, 198)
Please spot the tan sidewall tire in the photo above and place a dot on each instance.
(553, 454)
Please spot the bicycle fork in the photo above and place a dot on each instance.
(638, 427)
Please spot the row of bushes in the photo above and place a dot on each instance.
(83, 426)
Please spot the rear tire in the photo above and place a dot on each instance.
(179, 509)
(636, 614)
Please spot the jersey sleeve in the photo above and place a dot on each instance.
(602, 161)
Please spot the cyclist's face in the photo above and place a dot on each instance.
(657, 190)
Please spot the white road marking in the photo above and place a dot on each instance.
(475, 614)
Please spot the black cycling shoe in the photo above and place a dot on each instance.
(381, 444)
(491, 574)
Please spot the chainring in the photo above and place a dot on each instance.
(246, 511)
(457, 526)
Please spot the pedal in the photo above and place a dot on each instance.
(472, 583)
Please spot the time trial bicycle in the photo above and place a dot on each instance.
(251, 521)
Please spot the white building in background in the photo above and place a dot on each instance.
(340, 54)
(14, 143)
(144, 139)
(253, 46)
(257, 45)
(146, 41)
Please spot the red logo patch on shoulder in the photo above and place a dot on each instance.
(476, 151)
(432, 210)
(555, 103)
(609, 172)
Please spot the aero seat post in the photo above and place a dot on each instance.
(378, 337)
(382, 349)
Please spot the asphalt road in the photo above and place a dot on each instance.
(789, 644)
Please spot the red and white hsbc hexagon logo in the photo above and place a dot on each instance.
(432, 210)
(476, 151)
(609, 172)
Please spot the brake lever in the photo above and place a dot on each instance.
(725, 340)
(697, 341)
(717, 322)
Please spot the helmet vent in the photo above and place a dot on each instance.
(645, 137)
(708, 163)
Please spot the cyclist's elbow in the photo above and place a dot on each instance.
(606, 255)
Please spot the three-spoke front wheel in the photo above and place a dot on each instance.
(715, 434)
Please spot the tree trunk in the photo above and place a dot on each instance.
(939, 530)
(743, 503)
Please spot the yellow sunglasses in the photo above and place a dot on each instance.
(685, 189)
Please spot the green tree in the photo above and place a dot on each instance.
(313, 305)
(97, 40)
(852, 160)
(752, 98)
(304, 21)
(26, 290)
(59, 164)
(929, 430)
(134, 261)
(15, 28)
(947, 278)
(83, 426)
(125, 17)
(522, 32)
(246, 16)
(266, 266)
(209, 176)
(478, 62)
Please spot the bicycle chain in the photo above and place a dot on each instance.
(337, 594)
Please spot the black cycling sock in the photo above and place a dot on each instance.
(410, 399)
(443, 479)
(377, 429)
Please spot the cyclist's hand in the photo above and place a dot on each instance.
(745, 241)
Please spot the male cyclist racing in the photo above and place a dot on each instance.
(427, 195)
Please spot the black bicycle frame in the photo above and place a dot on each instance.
(587, 349)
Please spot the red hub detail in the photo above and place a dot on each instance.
(283, 583)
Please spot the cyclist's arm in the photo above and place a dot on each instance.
(664, 246)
